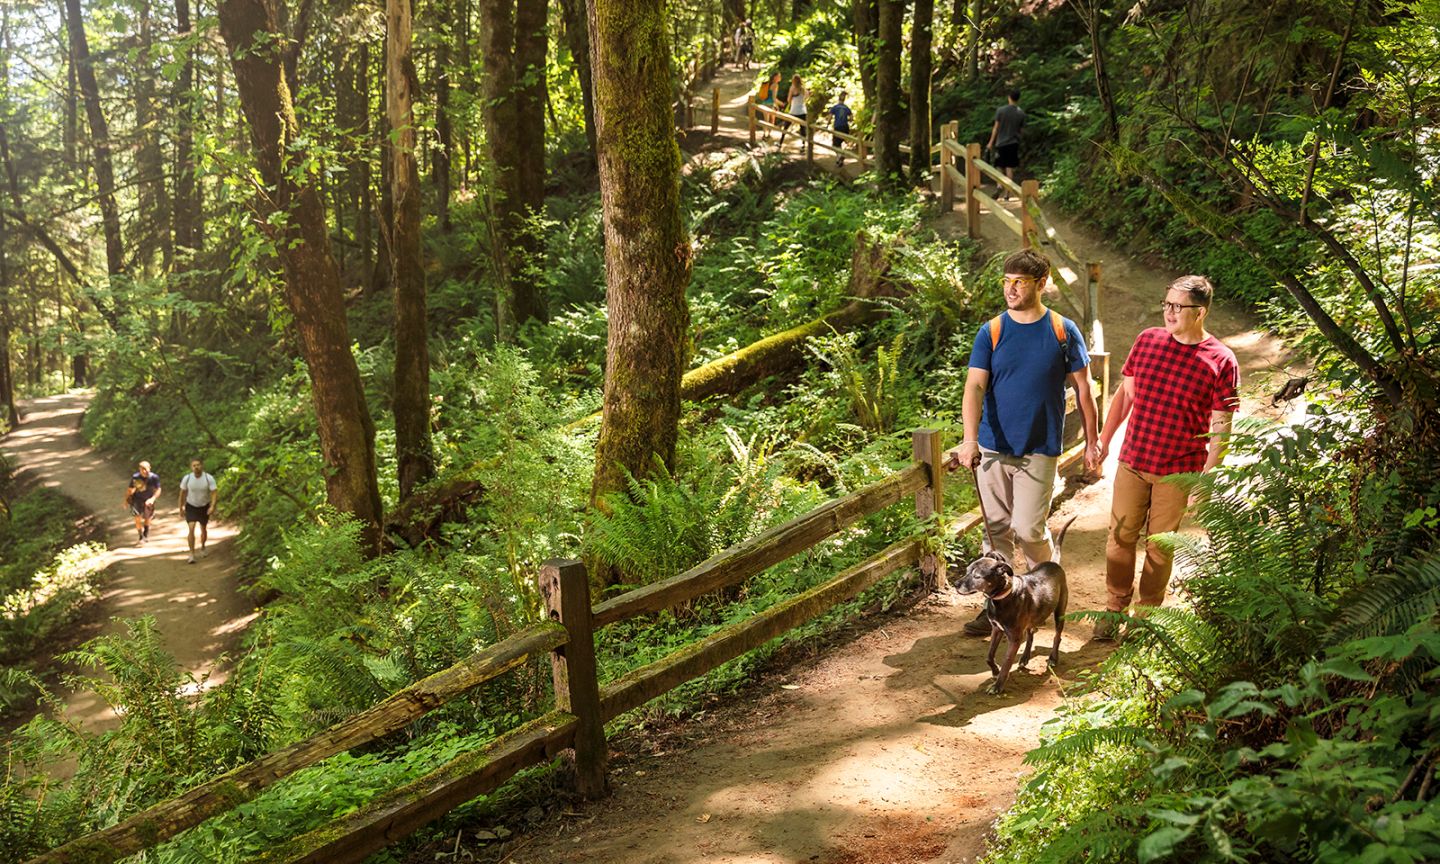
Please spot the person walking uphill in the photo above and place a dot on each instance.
(1180, 390)
(140, 497)
(1005, 138)
(1014, 410)
(197, 498)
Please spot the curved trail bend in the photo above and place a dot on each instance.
(882, 750)
(196, 607)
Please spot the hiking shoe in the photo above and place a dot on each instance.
(1106, 630)
(980, 626)
(191, 559)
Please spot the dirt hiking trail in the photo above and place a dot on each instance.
(884, 749)
(196, 607)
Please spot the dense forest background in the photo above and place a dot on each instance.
(419, 284)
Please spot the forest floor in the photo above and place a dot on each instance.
(197, 608)
(882, 749)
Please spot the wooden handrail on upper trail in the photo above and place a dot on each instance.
(582, 705)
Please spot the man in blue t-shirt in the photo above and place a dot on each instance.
(840, 115)
(1014, 409)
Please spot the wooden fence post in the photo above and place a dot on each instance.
(750, 112)
(947, 183)
(930, 500)
(1097, 335)
(972, 182)
(566, 590)
(715, 111)
(810, 139)
(860, 147)
(1029, 191)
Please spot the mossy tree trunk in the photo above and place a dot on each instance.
(921, 40)
(890, 115)
(577, 37)
(415, 459)
(253, 36)
(513, 43)
(647, 251)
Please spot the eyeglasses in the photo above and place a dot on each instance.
(1015, 281)
(1167, 306)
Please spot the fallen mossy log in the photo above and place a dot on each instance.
(418, 517)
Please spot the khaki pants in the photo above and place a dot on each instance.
(1141, 501)
(1016, 491)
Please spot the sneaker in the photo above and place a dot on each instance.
(191, 559)
(980, 626)
(1106, 630)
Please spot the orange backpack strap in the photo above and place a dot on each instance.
(995, 330)
(1057, 323)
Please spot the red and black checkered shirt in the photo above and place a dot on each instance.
(1176, 388)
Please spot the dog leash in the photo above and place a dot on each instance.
(984, 517)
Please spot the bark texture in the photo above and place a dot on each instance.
(866, 15)
(921, 40)
(647, 251)
(312, 279)
(513, 43)
(440, 156)
(577, 37)
(890, 113)
(188, 232)
(413, 453)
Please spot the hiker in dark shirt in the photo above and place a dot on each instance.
(140, 496)
(1005, 138)
(840, 115)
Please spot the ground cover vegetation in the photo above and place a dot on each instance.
(1229, 728)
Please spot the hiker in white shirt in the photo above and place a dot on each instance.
(197, 499)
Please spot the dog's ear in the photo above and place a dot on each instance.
(998, 556)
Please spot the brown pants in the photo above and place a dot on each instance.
(1156, 504)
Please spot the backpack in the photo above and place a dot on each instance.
(1057, 324)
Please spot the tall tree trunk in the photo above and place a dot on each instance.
(413, 454)
(577, 37)
(71, 132)
(866, 16)
(920, 64)
(1089, 13)
(440, 159)
(647, 252)
(366, 195)
(972, 40)
(513, 54)
(152, 234)
(889, 100)
(9, 416)
(251, 29)
(187, 231)
(380, 276)
(100, 150)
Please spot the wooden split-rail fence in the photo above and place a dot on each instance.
(582, 704)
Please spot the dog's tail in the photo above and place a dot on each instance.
(1060, 537)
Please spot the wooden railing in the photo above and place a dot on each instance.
(766, 118)
(582, 706)
(1077, 282)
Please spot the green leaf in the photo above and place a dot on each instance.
(1160, 844)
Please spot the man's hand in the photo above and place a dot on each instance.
(1102, 450)
(213, 516)
(1094, 458)
(967, 454)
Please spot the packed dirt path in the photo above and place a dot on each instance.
(884, 749)
(196, 607)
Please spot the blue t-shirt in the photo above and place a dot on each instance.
(841, 113)
(152, 483)
(1025, 402)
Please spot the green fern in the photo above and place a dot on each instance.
(1083, 743)
(1390, 603)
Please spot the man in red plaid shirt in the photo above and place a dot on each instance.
(1179, 394)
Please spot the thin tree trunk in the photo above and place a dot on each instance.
(577, 37)
(920, 66)
(890, 112)
(972, 40)
(866, 16)
(152, 234)
(366, 204)
(415, 460)
(72, 105)
(312, 280)
(440, 159)
(100, 149)
(380, 276)
(1089, 12)
(647, 251)
(9, 416)
(187, 191)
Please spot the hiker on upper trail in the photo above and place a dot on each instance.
(1180, 392)
(197, 498)
(840, 115)
(140, 497)
(744, 44)
(1005, 138)
(1014, 410)
(794, 105)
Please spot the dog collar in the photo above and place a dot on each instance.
(1009, 589)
